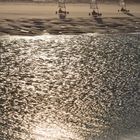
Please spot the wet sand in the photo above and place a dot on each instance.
(79, 87)
(36, 19)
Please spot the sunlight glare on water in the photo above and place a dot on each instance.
(73, 87)
(53, 132)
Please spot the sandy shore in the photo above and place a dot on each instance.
(35, 19)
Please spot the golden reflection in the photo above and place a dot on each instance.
(53, 132)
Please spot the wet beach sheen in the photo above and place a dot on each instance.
(70, 87)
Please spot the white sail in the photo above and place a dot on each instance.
(122, 3)
(93, 4)
(61, 3)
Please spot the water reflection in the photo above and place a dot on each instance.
(82, 87)
(53, 132)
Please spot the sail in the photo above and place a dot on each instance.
(93, 4)
(122, 3)
(61, 3)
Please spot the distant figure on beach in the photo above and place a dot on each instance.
(123, 7)
(62, 9)
(95, 10)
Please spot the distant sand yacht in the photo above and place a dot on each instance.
(95, 10)
(123, 6)
(62, 12)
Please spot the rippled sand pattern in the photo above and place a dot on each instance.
(82, 87)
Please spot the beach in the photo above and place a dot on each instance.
(40, 18)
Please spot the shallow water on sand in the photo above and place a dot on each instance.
(77, 87)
